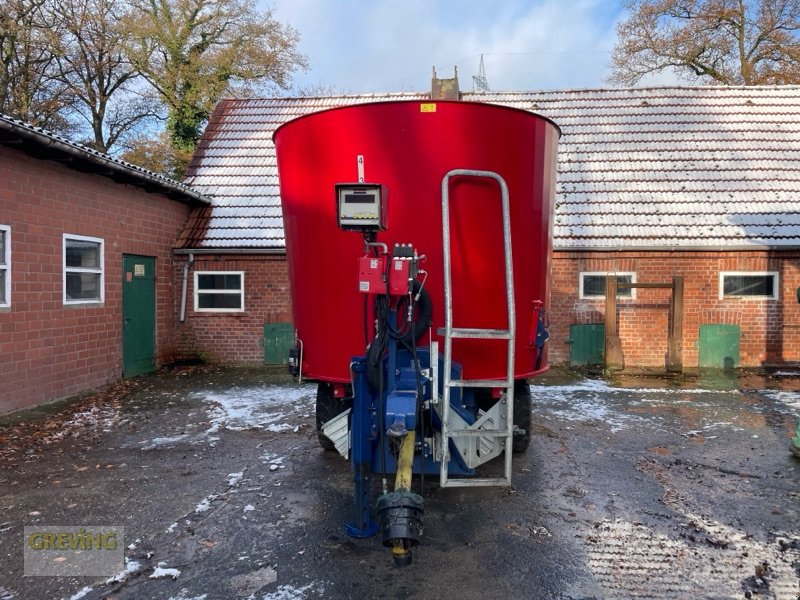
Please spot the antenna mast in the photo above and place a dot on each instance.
(479, 82)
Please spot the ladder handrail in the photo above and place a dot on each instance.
(448, 283)
(448, 310)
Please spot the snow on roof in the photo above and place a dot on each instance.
(652, 168)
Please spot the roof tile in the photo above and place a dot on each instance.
(643, 167)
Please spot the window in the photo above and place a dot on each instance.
(593, 285)
(83, 270)
(219, 291)
(5, 265)
(743, 284)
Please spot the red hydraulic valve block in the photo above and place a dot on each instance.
(372, 274)
(403, 269)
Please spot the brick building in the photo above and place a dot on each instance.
(701, 182)
(86, 266)
(653, 183)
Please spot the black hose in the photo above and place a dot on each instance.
(417, 327)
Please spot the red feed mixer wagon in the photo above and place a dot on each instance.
(419, 239)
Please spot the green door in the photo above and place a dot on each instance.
(586, 344)
(719, 346)
(278, 339)
(138, 315)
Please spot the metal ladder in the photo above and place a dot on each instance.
(504, 436)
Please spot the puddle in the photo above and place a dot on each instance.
(693, 409)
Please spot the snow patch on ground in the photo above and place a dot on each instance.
(131, 567)
(234, 478)
(289, 592)
(617, 408)
(265, 407)
(162, 571)
(589, 400)
(80, 593)
(171, 528)
(163, 441)
(205, 503)
(274, 461)
(184, 595)
(103, 417)
(790, 400)
(277, 428)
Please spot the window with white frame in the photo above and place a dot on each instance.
(749, 284)
(219, 291)
(84, 277)
(593, 285)
(5, 265)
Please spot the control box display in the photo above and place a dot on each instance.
(361, 206)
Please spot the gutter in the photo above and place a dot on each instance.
(751, 248)
(738, 248)
(201, 251)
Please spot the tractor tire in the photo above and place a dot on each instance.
(328, 407)
(522, 416)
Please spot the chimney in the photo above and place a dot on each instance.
(445, 89)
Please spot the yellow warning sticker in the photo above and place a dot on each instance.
(427, 107)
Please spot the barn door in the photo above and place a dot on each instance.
(138, 314)
(586, 344)
(278, 339)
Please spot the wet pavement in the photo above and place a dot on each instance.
(641, 487)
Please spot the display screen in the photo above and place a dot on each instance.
(359, 198)
(361, 207)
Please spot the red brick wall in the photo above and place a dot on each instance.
(48, 350)
(234, 338)
(770, 329)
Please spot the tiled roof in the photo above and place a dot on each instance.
(685, 167)
(44, 144)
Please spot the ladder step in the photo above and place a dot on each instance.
(477, 482)
(479, 383)
(498, 433)
(477, 334)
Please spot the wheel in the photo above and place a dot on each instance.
(328, 407)
(522, 415)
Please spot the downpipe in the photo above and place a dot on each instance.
(185, 286)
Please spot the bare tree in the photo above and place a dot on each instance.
(92, 63)
(729, 42)
(195, 51)
(318, 90)
(30, 85)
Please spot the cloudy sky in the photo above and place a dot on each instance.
(390, 45)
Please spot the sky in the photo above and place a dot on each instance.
(363, 46)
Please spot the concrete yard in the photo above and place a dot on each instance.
(640, 487)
